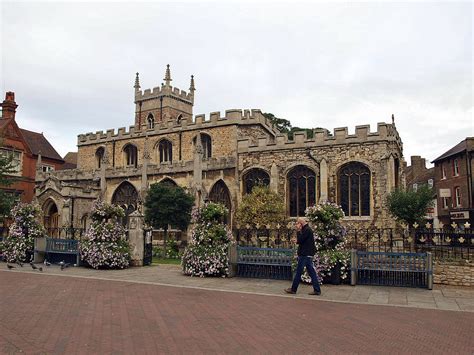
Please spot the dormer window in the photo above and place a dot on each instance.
(150, 121)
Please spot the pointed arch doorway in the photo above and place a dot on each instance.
(51, 218)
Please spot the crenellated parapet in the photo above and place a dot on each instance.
(200, 122)
(156, 92)
(322, 137)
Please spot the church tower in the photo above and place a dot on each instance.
(162, 103)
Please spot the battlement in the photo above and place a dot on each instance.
(237, 117)
(321, 137)
(164, 90)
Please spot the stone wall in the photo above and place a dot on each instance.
(453, 273)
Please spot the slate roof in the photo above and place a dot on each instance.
(458, 148)
(40, 145)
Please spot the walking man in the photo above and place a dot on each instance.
(306, 251)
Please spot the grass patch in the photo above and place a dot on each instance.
(157, 261)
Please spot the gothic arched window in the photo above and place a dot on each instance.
(131, 155)
(354, 189)
(220, 194)
(126, 196)
(150, 121)
(168, 182)
(165, 149)
(301, 190)
(99, 154)
(206, 144)
(254, 177)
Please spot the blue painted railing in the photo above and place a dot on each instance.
(269, 263)
(62, 250)
(392, 269)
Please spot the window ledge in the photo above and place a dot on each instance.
(357, 218)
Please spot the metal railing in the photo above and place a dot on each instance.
(66, 233)
(264, 237)
(446, 243)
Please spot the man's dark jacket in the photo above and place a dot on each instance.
(305, 241)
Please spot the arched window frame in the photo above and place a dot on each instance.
(354, 189)
(220, 193)
(206, 143)
(253, 177)
(150, 121)
(165, 151)
(99, 155)
(126, 196)
(130, 155)
(301, 190)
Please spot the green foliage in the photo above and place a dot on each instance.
(409, 206)
(168, 205)
(19, 243)
(170, 252)
(6, 199)
(280, 123)
(262, 206)
(213, 212)
(207, 252)
(285, 126)
(105, 245)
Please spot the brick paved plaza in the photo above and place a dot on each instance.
(52, 314)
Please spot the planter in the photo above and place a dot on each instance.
(335, 277)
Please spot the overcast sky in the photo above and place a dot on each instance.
(72, 65)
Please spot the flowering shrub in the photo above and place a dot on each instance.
(19, 244)
(207, 254)
(330, 240)
(105, 244)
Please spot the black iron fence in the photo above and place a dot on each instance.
(66, 233)
(446, 243)
(264, 237)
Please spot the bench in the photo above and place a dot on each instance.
(392, 269)
(66, 250)
(268, 263)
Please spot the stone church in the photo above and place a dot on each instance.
(220, 158)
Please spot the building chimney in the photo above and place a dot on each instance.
(9, 106)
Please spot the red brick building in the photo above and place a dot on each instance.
(454, 183)
(24, 147)
(416, 175)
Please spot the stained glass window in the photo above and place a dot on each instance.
(166, 151)
(220, 194)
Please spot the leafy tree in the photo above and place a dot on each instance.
(6, 199)
(409, 206)
(166, 205)
(285, 126)
(280, 123)
(261, 206)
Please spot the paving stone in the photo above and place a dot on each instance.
(53, 314)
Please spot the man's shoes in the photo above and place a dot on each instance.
(315, 293)
(290, 291)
